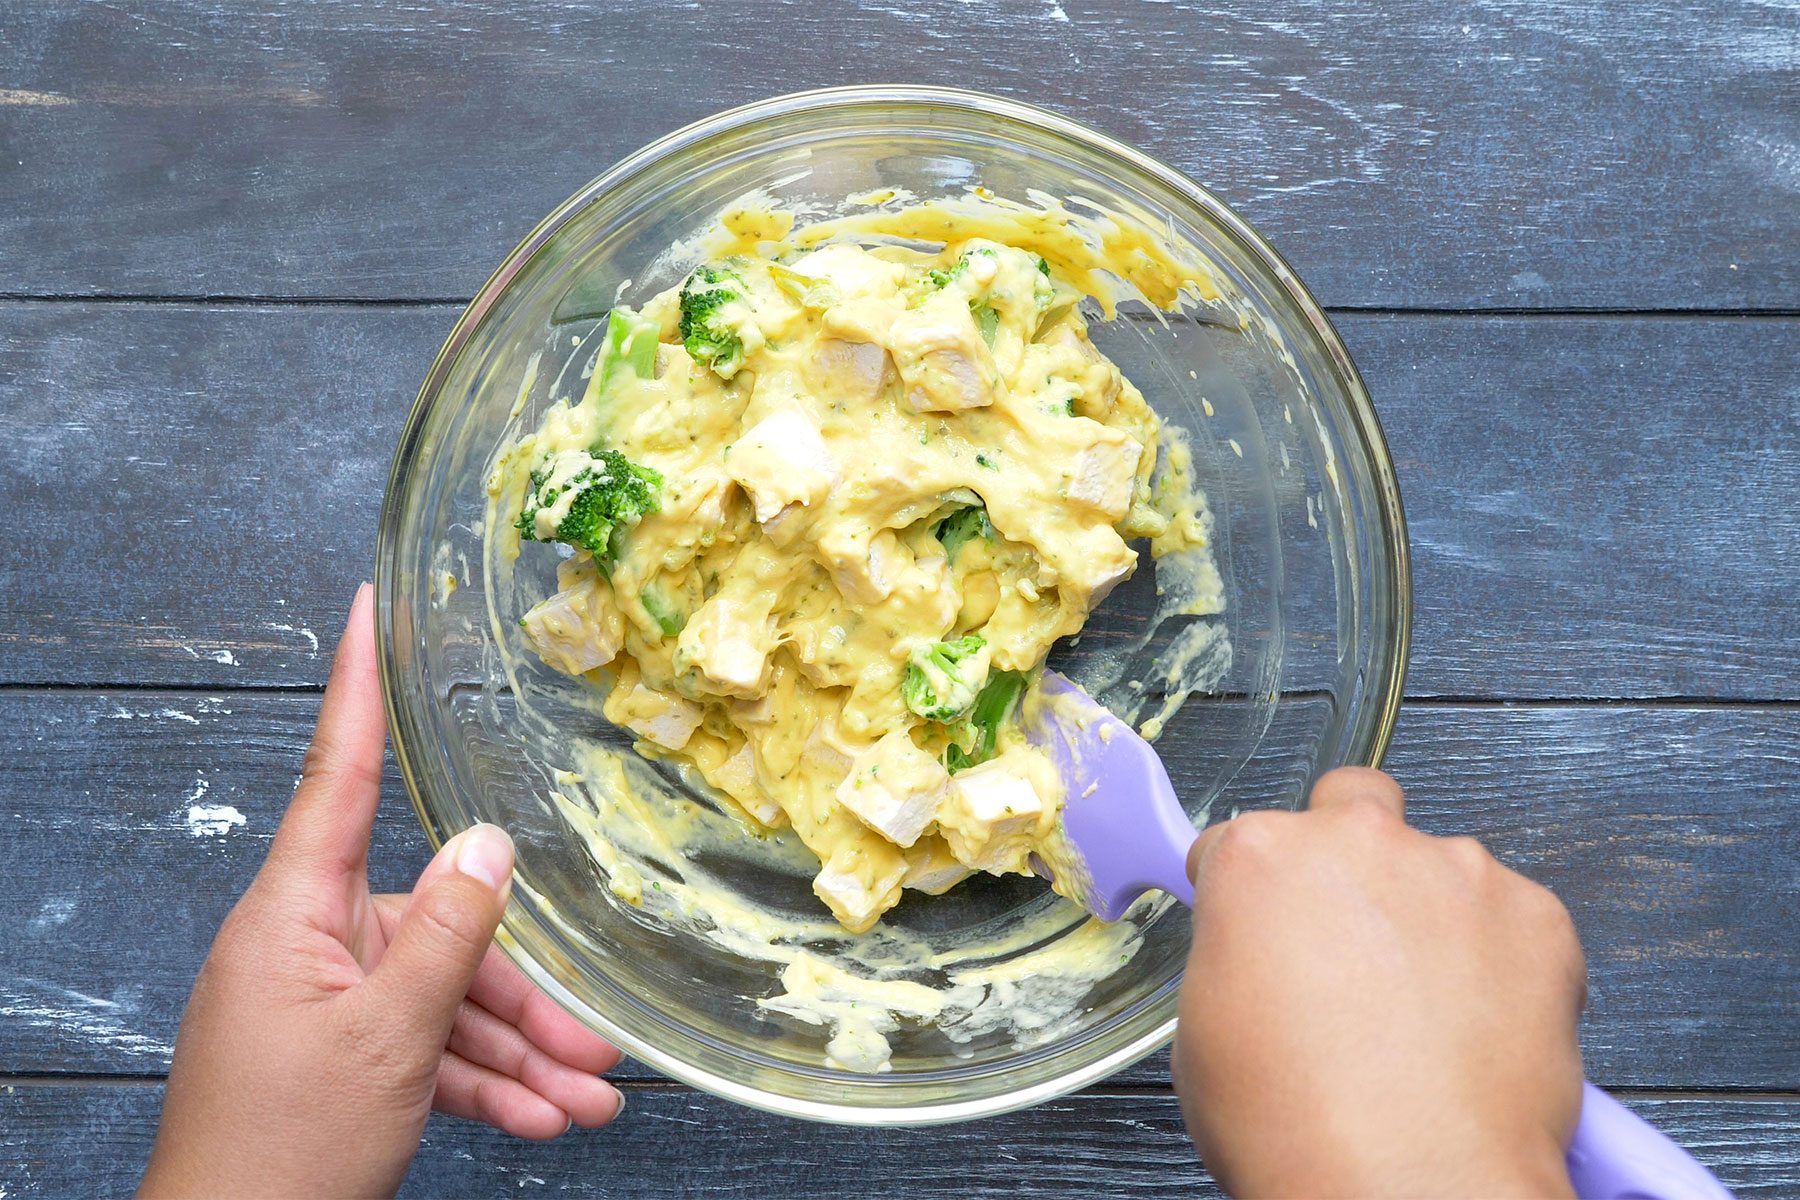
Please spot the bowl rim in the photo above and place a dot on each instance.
(1364, 422)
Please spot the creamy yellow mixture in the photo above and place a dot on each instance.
(620, 625)
(875, 485)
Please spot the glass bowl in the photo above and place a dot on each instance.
(1309, 538)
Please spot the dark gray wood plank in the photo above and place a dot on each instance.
(1597, 504)
(1673, 837)
(220, 469)
(1504, 152)
(1596, 507)
(93, 1141)
(1670, 833)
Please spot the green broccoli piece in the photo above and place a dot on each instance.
(987, 321)
(991, 710)
(708, 322)
(938, 278)
(943, 678)
(629, 345)
(610, 493)
(961, 527)
(1043, 289)
(667, 617)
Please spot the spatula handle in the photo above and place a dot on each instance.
(1172, 836)
(1617, 1155)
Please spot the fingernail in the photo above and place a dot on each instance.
(485, 852)
(621, 1108)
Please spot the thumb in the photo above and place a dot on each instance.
(442, 937)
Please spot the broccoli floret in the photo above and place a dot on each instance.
(591, 497)
(629, 347)
(943, 678)
(991, 710)
(936, 278)
(987, 319)
(962, 527)
(710, 316)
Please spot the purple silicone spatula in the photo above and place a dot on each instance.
(1127, 834)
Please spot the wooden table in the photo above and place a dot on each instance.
(1563, 242)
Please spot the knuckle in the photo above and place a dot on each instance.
(1553, 928)
(1252, 836)
(454, 917)
(1356, 778)
(1539, 900)
(1556, 917)
(325, 763)
(1469, 855)
(1578, 979)
(1550, 919)
(1359, 783)
(1366, 813)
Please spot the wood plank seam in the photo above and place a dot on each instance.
(177, 690)
(1100, 1091)
(255, 300)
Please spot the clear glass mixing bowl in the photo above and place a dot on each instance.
(1310, 540)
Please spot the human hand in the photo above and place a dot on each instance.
(1369, 1010)
(327, 1022)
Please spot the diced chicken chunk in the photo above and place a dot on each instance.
(1103, 476)
(989, 816)
(856, 370)
(851, 270)
(668, 721)
(859, 883)
(728, 646)
(863, 570)
(944, 365)
(782, 460)
(759, 711)
(829, 750)
(1099, 585)
(575, 630)
(736, 777)
(1104, 563)
(931, 868)
(700, 503)
(894, 788)
(785, 527)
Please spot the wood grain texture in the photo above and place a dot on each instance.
(227, 467)
(93, 1141)
(1500, 152)
(1593, 501)
(1601, 507)
(1669, 832)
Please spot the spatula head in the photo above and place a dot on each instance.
(1123, 829)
